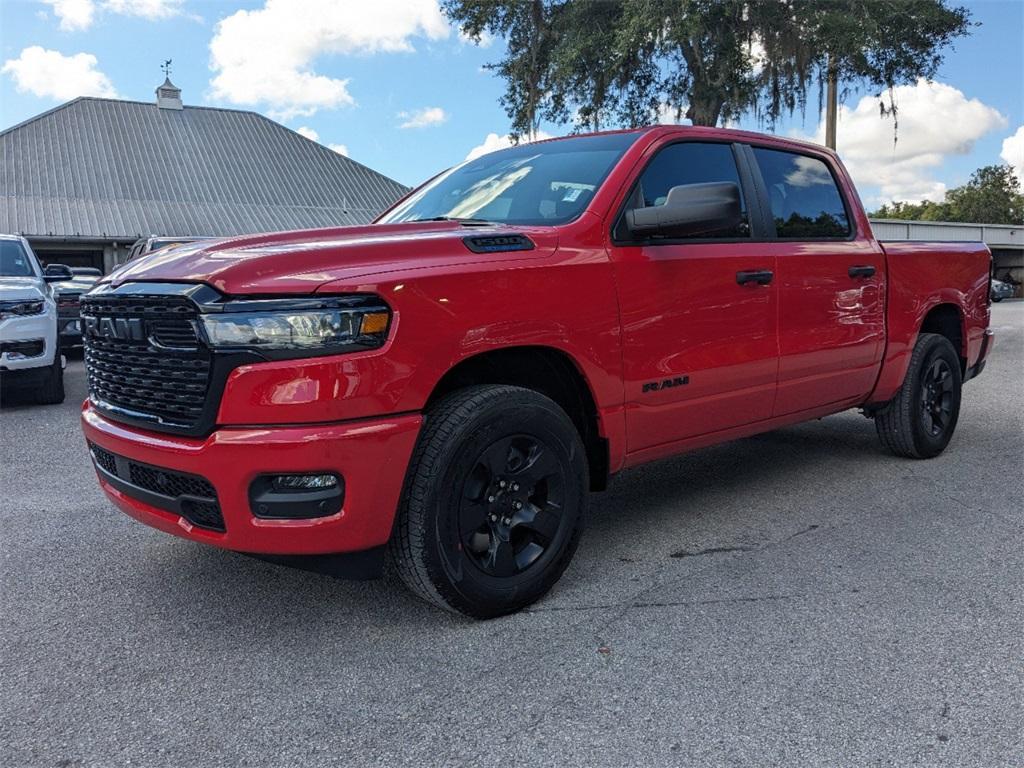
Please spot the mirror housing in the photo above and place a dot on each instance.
(689, 209)
(55, 273)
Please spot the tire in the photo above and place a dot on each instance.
(51, 388)
(919, 422)
(460, 540)
(996, 299)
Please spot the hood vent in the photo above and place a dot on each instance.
(498, 243)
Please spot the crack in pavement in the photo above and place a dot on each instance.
(741, 547)
(683, 603)
(710, 551)
(619, 610)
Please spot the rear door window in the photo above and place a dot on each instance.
(805, 201)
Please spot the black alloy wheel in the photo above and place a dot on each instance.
(920, 420)
(937, 397)
(511, 506)
(494, 503)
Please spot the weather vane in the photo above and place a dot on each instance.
(166, 68)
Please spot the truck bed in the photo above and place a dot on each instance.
(923, 276)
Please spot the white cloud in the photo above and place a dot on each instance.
(266, 56)
(76, 15)
(486, 39)
(935, 121)
(312, 135)
(1013, 152)
(147, 9)
(494, 142)
(51, 74)
(73, 14)
(422, 118)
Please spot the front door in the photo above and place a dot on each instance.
(699, 315)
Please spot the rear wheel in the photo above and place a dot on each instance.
(919, 422)
(494, 501)
(51, 388)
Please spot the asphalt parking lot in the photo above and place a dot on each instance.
(798, 598)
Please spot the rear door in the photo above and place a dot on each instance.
(831, 281)
(700, 341)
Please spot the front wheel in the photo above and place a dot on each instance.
(494, 501)
(919, 422)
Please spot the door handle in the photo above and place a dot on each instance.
(759, 276)
(865, 271)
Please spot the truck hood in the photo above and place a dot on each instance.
(300, 262)
(21, 288)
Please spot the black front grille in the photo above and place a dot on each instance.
(191, 496)
(205, 514)
(143, 357)
(169, 483)
(104, 458)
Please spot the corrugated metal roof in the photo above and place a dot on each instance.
(123, 169)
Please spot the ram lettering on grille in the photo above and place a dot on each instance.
(143, 358)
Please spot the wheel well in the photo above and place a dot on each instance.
(548, 371)
(944, 320)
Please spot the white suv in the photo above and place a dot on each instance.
(29, 351)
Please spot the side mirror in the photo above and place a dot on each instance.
(55, 273)
(690, 209)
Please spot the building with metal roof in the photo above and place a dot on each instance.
(83, 181)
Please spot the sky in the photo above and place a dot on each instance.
(392, 84)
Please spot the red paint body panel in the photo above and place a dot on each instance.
(923, 276)
(302, 262)
(371, 455)
(565, 300)
(813, 342)
(683, 314)
(831, 326)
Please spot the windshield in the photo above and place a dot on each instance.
(14, 261)
(546, 183)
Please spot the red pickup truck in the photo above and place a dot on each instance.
(449, 383)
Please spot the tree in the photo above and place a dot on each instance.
(926, 210)
(620, 62)
(529, 30)
(992, 196)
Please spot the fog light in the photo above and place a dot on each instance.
(304, 482)
(297, 497)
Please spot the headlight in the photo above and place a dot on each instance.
(21, 308)
(300, 325)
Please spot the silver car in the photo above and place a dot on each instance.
(1002, 290)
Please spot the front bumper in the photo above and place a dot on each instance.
(371, 455)
(29, 328)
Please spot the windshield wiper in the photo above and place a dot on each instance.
(464, 221)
